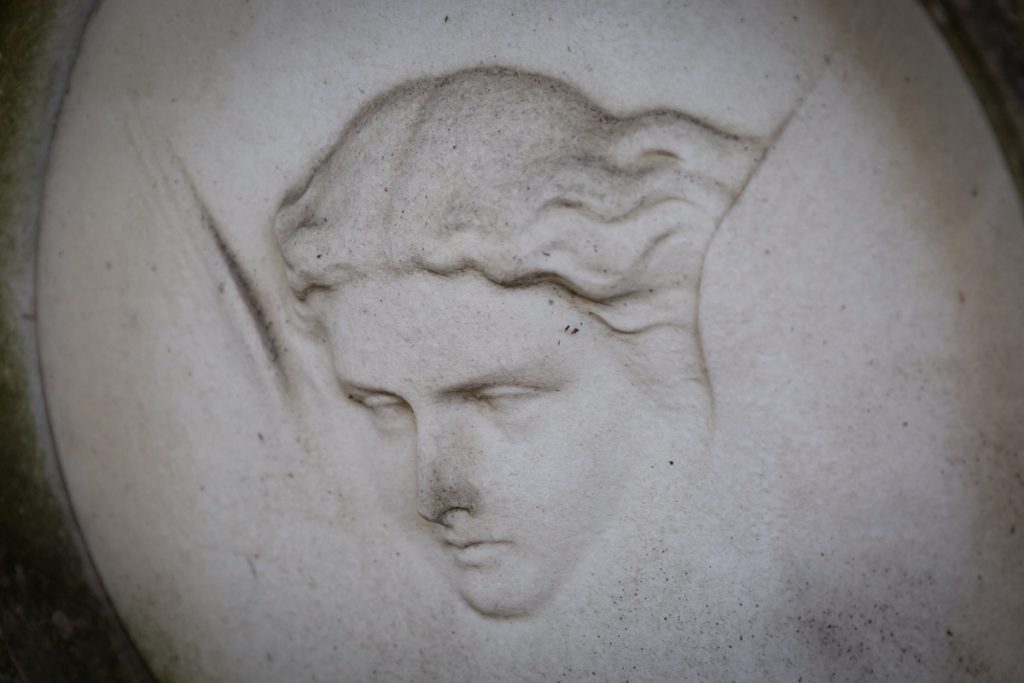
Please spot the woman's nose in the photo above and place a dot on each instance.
(445, 461)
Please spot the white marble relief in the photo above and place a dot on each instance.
(538, 341)
(438, 250)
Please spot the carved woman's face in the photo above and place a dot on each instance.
(515, 411)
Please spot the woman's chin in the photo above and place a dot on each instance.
(505, 591)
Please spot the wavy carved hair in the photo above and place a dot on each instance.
(519, 178)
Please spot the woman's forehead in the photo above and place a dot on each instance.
(392, 329)
(461, 307)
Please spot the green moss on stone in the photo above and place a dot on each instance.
(53, 625)
(987, 37)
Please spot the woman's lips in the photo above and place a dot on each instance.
(473, 553)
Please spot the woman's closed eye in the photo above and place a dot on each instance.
(384, 406)
(499, 396)
(379, 400)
